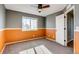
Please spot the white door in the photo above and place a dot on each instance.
(60, 29)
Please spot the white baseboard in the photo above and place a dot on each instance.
(3, 49)
(50, 39)
(23, 40)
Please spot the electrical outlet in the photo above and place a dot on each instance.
(49, 35)
(34, 35)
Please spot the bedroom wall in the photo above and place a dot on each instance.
(76, 39)
(14, 27)
(2, 25)
(51, 25)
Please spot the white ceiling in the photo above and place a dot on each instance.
(32, 8)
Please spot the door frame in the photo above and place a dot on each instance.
(67, 11)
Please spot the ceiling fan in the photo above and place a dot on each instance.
(42, 6)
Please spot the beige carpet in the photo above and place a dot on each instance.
(36, 50)
(53, 47)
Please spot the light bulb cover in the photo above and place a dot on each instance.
(39, 10)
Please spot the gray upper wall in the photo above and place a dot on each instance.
(76, 15)
(14, 19)
(51, 20)
(2, 16)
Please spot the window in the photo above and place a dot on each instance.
(29, 23)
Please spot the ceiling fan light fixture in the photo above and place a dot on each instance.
(42, 6)
(39, 10)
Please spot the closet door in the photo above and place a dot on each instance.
(60, 29)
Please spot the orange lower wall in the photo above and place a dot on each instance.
(51, 33)
(76, 42)
(13, 35)
(2, 41)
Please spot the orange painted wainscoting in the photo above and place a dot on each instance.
(2, 41)
(13, 35)
(51, 34)
(76, 43)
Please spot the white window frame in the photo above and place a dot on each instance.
(30, 23)
(36, 23)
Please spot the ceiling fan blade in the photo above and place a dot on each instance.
(46, 6)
